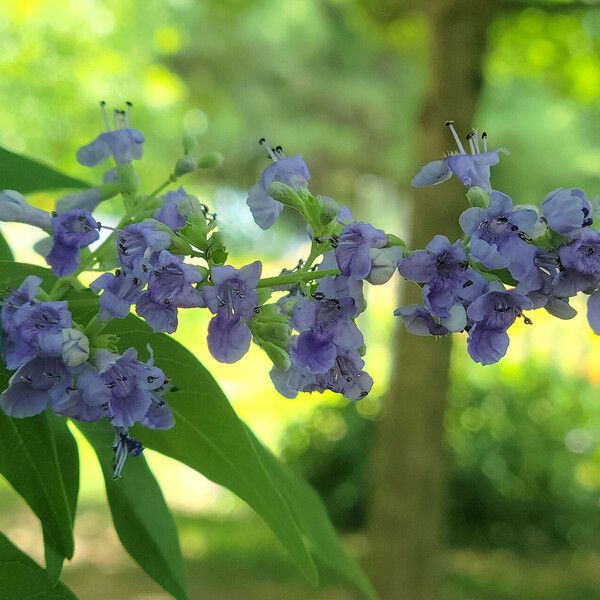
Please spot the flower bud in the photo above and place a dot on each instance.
(14, 207)
(478, 197)
(185, 165)
(210, 160)
(189, 143)
(76, 347)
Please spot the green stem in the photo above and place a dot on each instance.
(171, 179)
(94, 327)
(297, 277)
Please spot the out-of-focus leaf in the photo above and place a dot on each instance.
(210, 438)
(68, 458)
(25, 175)
(5, 251)
(23, 579)
(139, 512)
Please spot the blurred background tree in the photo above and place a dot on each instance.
(362, 90)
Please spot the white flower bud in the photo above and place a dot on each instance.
(76, 347)
(185, 165)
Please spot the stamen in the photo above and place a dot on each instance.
(484, 140)
(450, 125)
(470, 140)
(270, 151)
(104, 115)
(476, 139)
(128, 113)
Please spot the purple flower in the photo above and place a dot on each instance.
(353, 249)
(419, 321)
(170, 287)
(37, 384)
(232, 299)
(35, 328)
(127, 386)
(86, 398)
(472, 169)
(499, 235)
(566, 210)
(140, 243)
(492, 314)
(15, 299)
(168, 213)
(582, 256)
(71, 231)
(119, 291)
(14, 208)
(445, 271)
(124, 145)
(291, 171)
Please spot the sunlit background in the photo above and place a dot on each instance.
(342, 87)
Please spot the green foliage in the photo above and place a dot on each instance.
(140, 515)
(68, 459)
(25, 175)
(5, 251)
(23, 579)
(29, 462)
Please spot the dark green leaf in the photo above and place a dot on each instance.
(28, 175)
(68, 458)
(29, 462)
(23, 579)
(140, 515)
(5, 251)
(210, 438)
(312, 518)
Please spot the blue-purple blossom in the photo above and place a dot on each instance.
(232, 299)
(126, 386)
(499, 235)
(32, 328)
(566, 210)
(124, 145)
(15, 208)
(25, 294)
(168, 213)
(71, 231)
(471, 169)
(290, 170)
(444, 269)
(119, 291)
(138, 244)
(581, 254)
(36, 385)
(170, 286)
(123, 446)
(492, 314)
(353, 249)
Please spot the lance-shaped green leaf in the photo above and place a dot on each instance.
(139, 512)
(21, 578)
(25, 175)
(29, 462)
(210, 438)
(68, 459)
(312, 518)
(5, 251)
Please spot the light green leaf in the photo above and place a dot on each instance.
(25, 175)
(210, 438)
(312, 518)
(23, 579)
(139, 512)
(29, 462)
(5, 251)
(68, 458)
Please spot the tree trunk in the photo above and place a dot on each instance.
(409, 461)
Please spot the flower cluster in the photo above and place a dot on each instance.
(167, 254)
(512, 259)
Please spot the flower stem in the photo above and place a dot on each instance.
(298, 277)
(170, 179)
(94, 327)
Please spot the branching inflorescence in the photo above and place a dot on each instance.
(167, 254)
